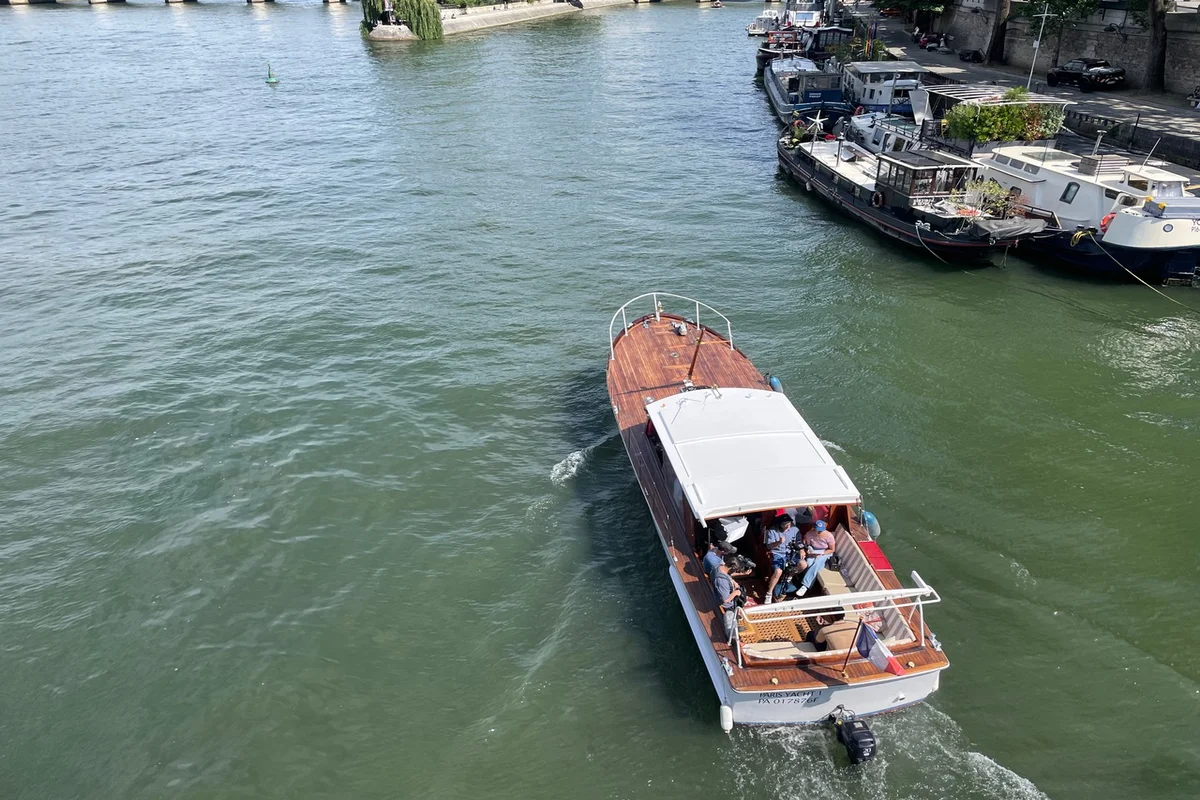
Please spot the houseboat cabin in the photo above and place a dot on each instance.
(798, 86)
(882, 85)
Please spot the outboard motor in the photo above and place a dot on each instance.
(854, 735)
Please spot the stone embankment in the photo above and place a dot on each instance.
(480, 17)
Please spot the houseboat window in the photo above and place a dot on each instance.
(1032, 169)
(923, 184)
(897, 145)
(1141, 184)
(1168, 189)
(999, 159)
(1111, 194)
(1069, 193)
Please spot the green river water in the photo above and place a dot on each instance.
(309, 487)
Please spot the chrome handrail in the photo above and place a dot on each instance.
(880, 600)
(612, 339)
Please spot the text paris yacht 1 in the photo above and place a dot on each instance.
(718, 452)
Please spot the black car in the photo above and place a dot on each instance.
(1086, 73)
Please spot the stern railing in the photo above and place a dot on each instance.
(878, 600)
(657, 308)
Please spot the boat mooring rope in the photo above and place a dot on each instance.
(1075, 239)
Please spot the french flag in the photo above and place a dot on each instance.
(874, 650)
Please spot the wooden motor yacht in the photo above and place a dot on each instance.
(715, 447)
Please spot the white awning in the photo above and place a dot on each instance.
(741, 450)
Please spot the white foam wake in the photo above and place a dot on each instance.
(569, 467)
(923, 754)
(833, 445)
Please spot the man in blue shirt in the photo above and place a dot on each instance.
(726, 591)
(715, 557)
(779, 541)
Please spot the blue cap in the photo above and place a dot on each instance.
(820, 525)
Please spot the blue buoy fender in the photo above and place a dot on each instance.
(775, 384)
(871, 524)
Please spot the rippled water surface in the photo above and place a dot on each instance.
(308, 484)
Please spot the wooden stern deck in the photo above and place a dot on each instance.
(651, 362)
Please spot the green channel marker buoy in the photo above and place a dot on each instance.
(271, 79)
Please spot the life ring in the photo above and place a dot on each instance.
(1104, 222)
(877, 200)
(858, 111)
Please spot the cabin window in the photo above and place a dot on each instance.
(1069, 193)
(897, 145)
(1128, 200)
(1141, 184)
(871, 94)
(999, 159)
(1168, 189)
(1032, 169)
(1111, 194)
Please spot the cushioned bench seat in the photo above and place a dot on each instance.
(784, 651)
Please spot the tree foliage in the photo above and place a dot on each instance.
(423, 18)
(975, 122)
(1063, 11)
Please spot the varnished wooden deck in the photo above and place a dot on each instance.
(651, 362)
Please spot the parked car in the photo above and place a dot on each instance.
(1086, 73)
(892, 12)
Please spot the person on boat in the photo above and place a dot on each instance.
(715, 557)
(818, 547)
(837, 635)
(726, 591)
(779, 542)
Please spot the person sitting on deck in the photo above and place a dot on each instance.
(726, 591)
(715, 557)
(837, 635)
(779, 541)
(818, 547)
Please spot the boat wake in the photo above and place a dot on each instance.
(833, 446)
(922, 754)
(569, 467)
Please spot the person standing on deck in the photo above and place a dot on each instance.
(818, 547)
(717, 550)
(779, 540)
(726, 591)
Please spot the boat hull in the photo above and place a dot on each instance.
(1087, 257)
(952, 250)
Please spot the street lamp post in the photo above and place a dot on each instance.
(1037, 45)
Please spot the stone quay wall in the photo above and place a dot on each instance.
(970, 23)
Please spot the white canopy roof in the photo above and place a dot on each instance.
(741, 450)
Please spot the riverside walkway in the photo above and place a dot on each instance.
(1143, 117)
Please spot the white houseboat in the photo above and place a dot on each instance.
(882, 85)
